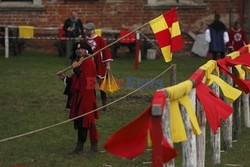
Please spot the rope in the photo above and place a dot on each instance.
(66, 121)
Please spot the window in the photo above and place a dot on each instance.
(16, 0)
(10, 5)
(176, 3)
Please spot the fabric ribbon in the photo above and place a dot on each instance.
(213, 106)
(229, 92)
(238, 62)
(244, 49)
(234, 54)
(241, 60)
(130, 141)
(178, 94)
(241, 72)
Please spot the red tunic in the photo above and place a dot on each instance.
(82, 95)
(237, 39)
(101, 58)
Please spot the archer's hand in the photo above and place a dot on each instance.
(108, 67)
(61, 75)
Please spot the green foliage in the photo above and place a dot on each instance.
(31, 97)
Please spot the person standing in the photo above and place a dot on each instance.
(73, 29)
(217, 36)
(80, 88)
(102, 59)
(237, 37)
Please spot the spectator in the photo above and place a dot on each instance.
(102, 59)
(217, 36)
(81, 97)
(237, 37)
(73, 28)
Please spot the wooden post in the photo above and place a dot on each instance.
(201, 118)
(236, 118)
(246, 104)
(166, 115)
(189, 151)
(139, 47)
(227, 124)
(236, 112)
(201, 139)
(215, 139)
(173, 75)
(137, 51)
(6, 42)
(167, 130)
(158, 105)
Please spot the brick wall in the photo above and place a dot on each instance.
(119, 15)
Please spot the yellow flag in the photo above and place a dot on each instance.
(26, 31)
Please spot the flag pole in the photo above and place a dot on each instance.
(70, 67)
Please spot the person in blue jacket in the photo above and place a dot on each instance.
(217, 36)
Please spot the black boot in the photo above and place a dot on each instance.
(78, 149)
(93, 149)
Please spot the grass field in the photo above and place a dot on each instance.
(31, 98)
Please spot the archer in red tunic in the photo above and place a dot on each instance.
(102, 59)
(237, 37)
(80, 87)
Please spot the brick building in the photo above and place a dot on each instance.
(194, 15)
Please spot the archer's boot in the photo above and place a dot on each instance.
(104, 102)
(78, 149)
(93, 149)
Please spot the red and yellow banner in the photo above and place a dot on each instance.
(167, 32)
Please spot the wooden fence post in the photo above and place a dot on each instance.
(236, 112)
(167, 130)
(6, 42)
(201, 139)
(189, 151)
(227, 124)
(237, 118)
(138, 42)
(158, 106)
(173, 75)
(215, 139)
(246, 104)
(157, 151)
(166, 115)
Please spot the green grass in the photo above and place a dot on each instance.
(31, 98)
